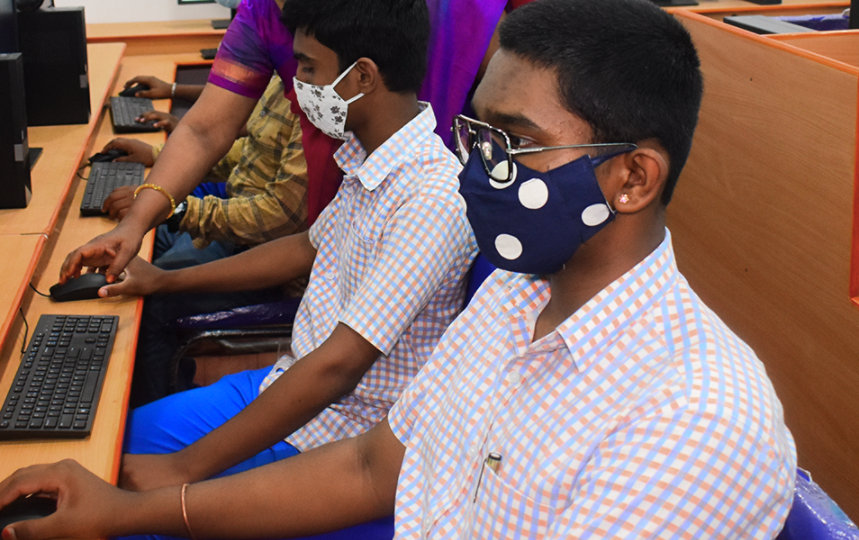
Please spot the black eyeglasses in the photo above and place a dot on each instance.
(496, 149)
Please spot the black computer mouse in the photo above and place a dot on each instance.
(110, 155)
(133, 89)
(26, 508)
(84, 287)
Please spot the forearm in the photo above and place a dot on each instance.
(192, 149)
(188, 92)
(267, 265)
(246, 220)
(298, 395)
(327, 489)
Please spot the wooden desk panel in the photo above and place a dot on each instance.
(762, 221)
(42, 257)
(100, 453)
(720, 8)
(163, 37)
(20, 257)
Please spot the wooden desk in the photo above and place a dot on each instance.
(163, 37)
(37, 260)
(765, 224)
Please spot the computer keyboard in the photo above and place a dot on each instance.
(56, 389)
(125, 110)
(104, 177)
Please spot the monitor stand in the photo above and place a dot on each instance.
(673, 3)
(35, 152)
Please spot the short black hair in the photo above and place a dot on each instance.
(392, 33)
(626, 67)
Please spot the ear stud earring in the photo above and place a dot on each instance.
(623, 199)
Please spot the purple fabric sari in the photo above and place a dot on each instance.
(257, 43)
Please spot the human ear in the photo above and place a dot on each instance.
(368, 76)
(642, 178)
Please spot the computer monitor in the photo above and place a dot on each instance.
(218, 24)
(8, 27)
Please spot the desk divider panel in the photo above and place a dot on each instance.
(763, 222)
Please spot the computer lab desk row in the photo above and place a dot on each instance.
(34, 242)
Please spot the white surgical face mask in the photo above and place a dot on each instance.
(232, 4)
(323, 105)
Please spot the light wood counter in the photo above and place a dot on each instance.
(163, 37)
(38, 257)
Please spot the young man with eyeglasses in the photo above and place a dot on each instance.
(585, 392)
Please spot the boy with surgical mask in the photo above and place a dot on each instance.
(387, 262)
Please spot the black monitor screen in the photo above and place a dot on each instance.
(8, 27)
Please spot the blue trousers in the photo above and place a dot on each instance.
(174, 422)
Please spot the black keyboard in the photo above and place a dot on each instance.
(104, 177)
(125, 110)
(56, 389)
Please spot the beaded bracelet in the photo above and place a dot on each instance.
(161, 190)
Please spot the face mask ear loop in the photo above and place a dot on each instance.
(340, 78)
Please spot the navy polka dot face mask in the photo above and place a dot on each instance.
(535, 222)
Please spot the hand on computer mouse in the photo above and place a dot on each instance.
(87, 506)
(139, 279)
(157, 89)
(107, 155)
(161, 120)
(135, 151)
(133, 91)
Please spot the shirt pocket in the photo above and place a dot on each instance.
(501, 511)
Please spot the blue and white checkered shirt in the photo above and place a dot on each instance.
(393, 250)
(640, 416)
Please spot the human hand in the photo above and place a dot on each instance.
(116, 204)
(142, 472)
(140, 279)
(110, 252)
(158, 89)
(162, 120)
(137, 151)
(87, 506)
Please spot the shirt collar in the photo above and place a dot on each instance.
(620, 303)
(373, 169)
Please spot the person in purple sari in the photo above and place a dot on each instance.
(256, 44)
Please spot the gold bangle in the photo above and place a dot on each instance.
(185, 511)
(160, 190)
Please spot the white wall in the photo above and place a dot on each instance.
(101, 11)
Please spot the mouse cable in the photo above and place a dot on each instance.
(37, 291)
(26, 330)
(78, 172)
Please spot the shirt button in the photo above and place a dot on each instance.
(514, 378)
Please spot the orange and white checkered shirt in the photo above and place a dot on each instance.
(393, 250)
(641, 416)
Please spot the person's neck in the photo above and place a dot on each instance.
(611, 253)
(387, 116)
